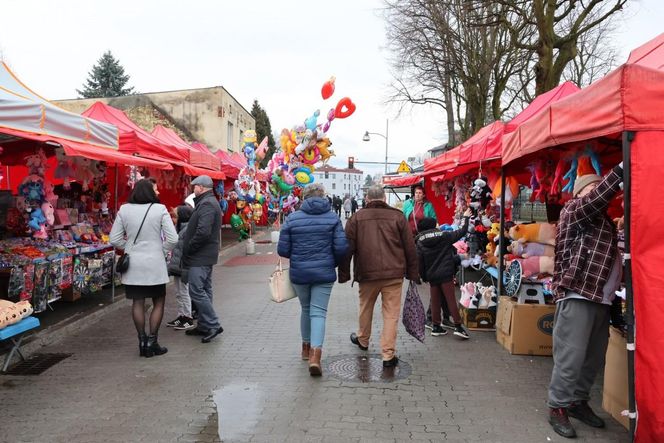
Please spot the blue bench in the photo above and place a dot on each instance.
(15, 334)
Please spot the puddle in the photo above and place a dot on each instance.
(237, 410)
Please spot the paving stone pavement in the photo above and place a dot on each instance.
(459, 391)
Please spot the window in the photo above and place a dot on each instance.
(229, 137)
(334, 186)
(334, 176)
(327, 174)
(344, 186)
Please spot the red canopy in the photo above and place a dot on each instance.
(197, 157)
(484, 145)
(445, 162)
(629, 98)
(134, 139)
(540, 102)
(399, 181)
(227, 164)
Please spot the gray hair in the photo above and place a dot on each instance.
(313, 190)
(376, 192)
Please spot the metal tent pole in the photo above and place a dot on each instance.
(628, 137)
(501, 262)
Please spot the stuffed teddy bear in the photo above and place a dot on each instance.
(49, 194)
(525, 250)
(533, 266)
(544, 233)
(49, 212)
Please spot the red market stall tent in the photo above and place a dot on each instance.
(625, 105)
(197, 157)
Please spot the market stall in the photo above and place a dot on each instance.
(52, 245)
(622, 109)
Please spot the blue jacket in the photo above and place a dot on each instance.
(314, 241)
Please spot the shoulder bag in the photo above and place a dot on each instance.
(281, 288)
(123, 263)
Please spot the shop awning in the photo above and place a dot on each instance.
(628, 98)
(436, 167)
(197, 157)
(539, 103)
(25, 114)
(400, 181)
(229, 167)
(134, 139)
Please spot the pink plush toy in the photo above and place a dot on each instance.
(49, 212)
(532, 266)
(525, 250)
(49, 194)
(11, 313)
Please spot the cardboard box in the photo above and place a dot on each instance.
(615, 398)
(478, 319)
(525, 329)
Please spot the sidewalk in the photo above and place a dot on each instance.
(458, 390)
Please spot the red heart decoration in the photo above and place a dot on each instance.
(328, 88)
(345, 108)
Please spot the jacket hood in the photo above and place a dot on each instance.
(316, 205)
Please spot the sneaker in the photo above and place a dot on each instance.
(582, 411)
(438, 330)
(391, 363)
(448, 324)
(460, 331)
(428, 324)
(560, 423)
(185, 324)
(176, 322)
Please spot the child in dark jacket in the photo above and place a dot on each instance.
(437, 261)
(184, 319)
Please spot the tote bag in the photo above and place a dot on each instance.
(414, 316)
(281, 288)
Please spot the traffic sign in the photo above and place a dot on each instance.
(404, 168)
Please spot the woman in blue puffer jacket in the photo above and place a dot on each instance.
(314, 241)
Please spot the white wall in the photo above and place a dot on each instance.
(341, 183)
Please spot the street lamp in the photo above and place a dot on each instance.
(366, 138)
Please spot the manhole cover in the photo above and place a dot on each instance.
(37, 364)
(366, 368)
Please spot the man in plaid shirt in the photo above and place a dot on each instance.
(587, 272)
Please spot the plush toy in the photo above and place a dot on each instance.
(467, 294)
(323, 145)
(533, 266)
(480, 194)
(544, 233)
(49, 212)
(239, 226)
(544, 173)
(49, 194)
(36, 163)
(37, 219)
(23, 309)
(525, 250)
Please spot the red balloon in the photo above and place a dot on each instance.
(345, 108)
(328, 88)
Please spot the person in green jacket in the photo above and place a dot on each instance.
(417, 208)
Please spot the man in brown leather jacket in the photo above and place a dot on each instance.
(383, 252)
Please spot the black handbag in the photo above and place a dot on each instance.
(123, 262)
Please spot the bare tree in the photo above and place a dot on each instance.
(559, 25)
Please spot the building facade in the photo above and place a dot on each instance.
(340, 182)
(208, 115)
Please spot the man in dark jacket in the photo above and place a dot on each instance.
(586, 274)
(436, 258)
(383, 252)
(200, 253)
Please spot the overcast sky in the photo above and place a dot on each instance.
(279, 52)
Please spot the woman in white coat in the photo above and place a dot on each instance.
(147, 274)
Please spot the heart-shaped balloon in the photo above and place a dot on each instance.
(345, 108)
(328, 88)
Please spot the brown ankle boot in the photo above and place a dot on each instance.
(314, 361)
(305, 350)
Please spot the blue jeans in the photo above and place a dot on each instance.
(314, 300)
(200, 291)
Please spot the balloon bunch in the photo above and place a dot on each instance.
(302, 148)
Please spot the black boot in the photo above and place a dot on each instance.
(142, 343)
(153, 348)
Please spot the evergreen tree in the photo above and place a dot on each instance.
(368, 181)
(263, 129)
(107, 79)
